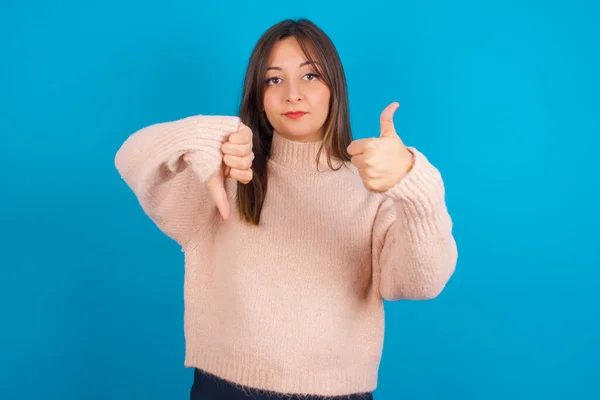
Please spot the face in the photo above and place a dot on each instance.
(292, 84)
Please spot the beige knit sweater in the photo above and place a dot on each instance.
(294, 305)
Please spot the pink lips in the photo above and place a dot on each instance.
(295, 115)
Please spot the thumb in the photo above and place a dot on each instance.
(216, 186)
(387, 120)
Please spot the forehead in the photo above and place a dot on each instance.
(286, 53)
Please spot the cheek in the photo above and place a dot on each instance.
(269, 103)
(323, 94)
(322, 98)
(327, 97)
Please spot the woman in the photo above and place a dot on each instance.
(293, 233)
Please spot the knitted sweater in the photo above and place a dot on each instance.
(294, 305)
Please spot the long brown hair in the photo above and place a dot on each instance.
(318, 48)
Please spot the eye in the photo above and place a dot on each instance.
(271, 81)
(313, 75)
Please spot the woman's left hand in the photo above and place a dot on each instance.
(382, 162)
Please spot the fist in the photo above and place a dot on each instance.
(382, 162)
(237, 164)
(238, 155)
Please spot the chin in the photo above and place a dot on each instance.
(304, 136)
(299, 133)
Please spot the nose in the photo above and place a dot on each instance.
(293, 93)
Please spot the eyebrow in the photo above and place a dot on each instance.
(301, 65)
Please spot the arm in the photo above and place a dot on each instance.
(414, 248)
(167, 165)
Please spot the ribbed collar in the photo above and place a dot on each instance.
(298, 155)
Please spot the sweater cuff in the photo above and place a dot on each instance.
(421, 190)
(198, 139)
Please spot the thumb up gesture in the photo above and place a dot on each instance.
(237, 164)
(382, 162)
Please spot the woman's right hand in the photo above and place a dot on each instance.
(238, 155)
(237, 164)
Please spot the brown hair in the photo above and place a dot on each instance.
(318, 48)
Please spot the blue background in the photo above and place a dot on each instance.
(502, 97)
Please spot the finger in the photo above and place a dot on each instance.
(216, 186)
(242, 136)
(363, 175)
(357, 146)
(238, 162)
(386, 120)
(236, 149)
(367, 173)
(241, 175)
(359, 161)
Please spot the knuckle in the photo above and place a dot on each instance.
(243, 176)
(237, 152)
(248, 176)
(233, 138)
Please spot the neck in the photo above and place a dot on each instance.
(296, 154)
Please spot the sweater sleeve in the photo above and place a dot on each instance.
(167, 165)
(414, 248)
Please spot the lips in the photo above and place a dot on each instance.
(295, 114)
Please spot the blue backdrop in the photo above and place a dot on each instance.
(502, 97)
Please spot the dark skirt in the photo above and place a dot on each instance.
(210, 387)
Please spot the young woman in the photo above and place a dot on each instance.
(293, 233)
